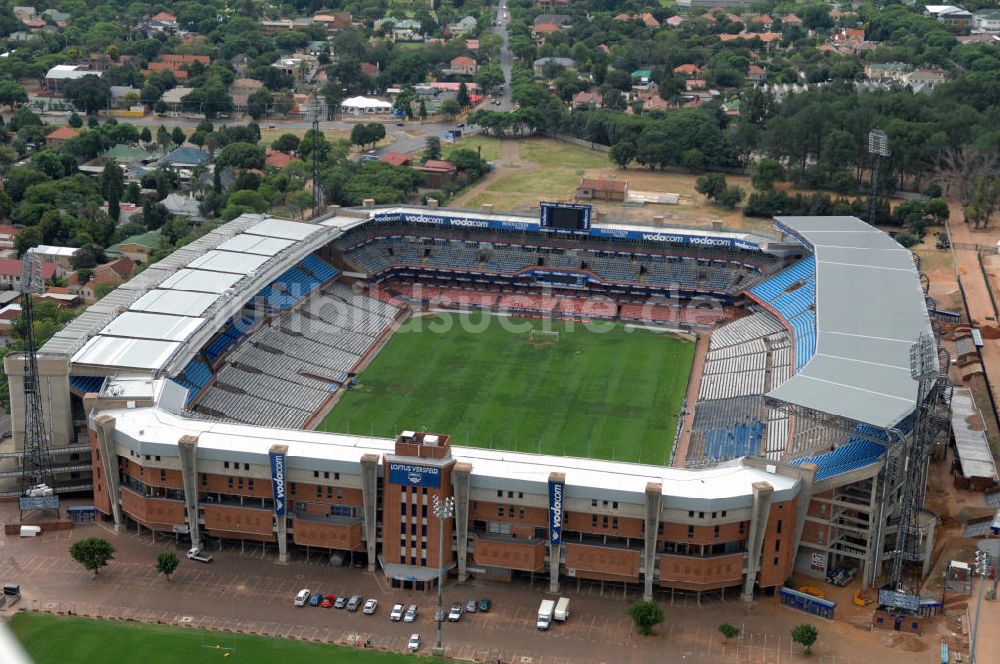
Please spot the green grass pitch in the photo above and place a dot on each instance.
(53, 640)
(615, 393)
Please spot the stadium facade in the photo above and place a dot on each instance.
(183, 400)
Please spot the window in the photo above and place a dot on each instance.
(776, 560)
(240, 482)
(204, 479)
(741, 526)
(315, 473)
(593, 503)
(250, 484)
(499, 493)
(604, 503)
(423, 511)
(520, 512)
(246, 466)
(510, 494)
(520, 494)
(340, 494)
(690, 514)
(291, 488)
(319, 491)
(147, 457)
(225, 464)
(157, 457)
(329, 492)
(336, 476)
(593, 519)
(614, 523)
(716, 531)
(326, 475)
(163, 475)
(510, 510)
(614, 505)
(229, 482)
(723, 514)
(713, 515)
(659, 529)
(423, 533)
(604, 522)
(779, 526)
(690, 531)
(499, 510)
(820, 536)
(777, 545)
(402, 529)
(701, 515)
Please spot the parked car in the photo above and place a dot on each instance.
(371, 606)
(440, 615)
(471, 606)
(316, 599)
(414, 644)
(397, 613)
(328, 601)
(485, 605)
(354, 603)
(341, 602)
(456, 612)
(302, 597)
(411, 614)
(196, 554)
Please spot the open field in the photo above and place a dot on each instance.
(490, 147)
(606, 392)
(54, 640)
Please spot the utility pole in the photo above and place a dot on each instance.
(981, 569)
(443, 510)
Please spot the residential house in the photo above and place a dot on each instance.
(241, 89)
(56, 77)
(895, 71)
(271, 28)
(925, 80)
(334, 21)
(688, 70)
(755, 73)
(176, 63)
(541, 64)
(553, 4)
(791, 19)
(241, 64)
(655, 103)
(278, 160)
(949, 15)
(59, 136)
(174, 97)
(10, 272)
(403, 29)
(117, 270)
(370, 70)
(472, 44)
(56, 17)
(463, 65)
(165, 17)
(980, 38)
(646, 18)
(395, 158)
(120, 95)
(602, 189)
(61, 256)
(24, 14)
(763, 21)
(437, 173)
(986, 20)
(463, 27)
(8, 235)
(692, 84)
(180, 205)
(587, 99)
(125, 211)
(674, 21)
(186, 156)
(226, 179)
(538, 32)
(137, 247)
(642, 75)
(561, 20)
(301, 66)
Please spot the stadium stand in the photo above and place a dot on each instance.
(857, 453)
(791, 295)
(85, 384)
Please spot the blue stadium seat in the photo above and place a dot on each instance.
(857, 453)
(86, 383)
(733, 442)
(319, 268)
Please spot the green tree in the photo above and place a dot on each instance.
(728, 631)
(145, 135)
(646, 615)
(177, 136)
(93, 553)
(90, 93)
(166, 563)
(711, 185)
(423, 110)
(463, 95)
(283, 103)
(450, 108)
(75, 121)
(622, 153)
(287, 143)
(806, 635)
(765, 173)
(163, 139)
(258, 103)
(729, 197)
(241, 155)
(112, 183)
(432, 148)
(12, 94)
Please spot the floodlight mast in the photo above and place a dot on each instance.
(878, 146)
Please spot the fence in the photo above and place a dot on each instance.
(793, 599)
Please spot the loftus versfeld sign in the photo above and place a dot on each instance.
(556, 490)
(414, 475)
(278, 481)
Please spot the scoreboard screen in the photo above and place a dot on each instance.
(565, 217)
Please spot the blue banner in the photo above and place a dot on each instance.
(556, 490)
(672, 236)
(278, 482)
(414, 475)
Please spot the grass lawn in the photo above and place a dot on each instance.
(490, 146)
(556, 154)
(615, 393)
(54, 640)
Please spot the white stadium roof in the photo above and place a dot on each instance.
(178, 303)
(256, 244)
(202, 281)
(228, 261)
(869, 310)
(143, 325)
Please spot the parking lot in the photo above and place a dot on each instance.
(250, 592)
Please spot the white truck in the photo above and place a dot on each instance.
(545, 611)
(562, 610)
(199, 555)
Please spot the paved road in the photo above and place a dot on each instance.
(248, 591)
(506, 57)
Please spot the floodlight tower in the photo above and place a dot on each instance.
(878, 146)
(37, 478)
(317, 191)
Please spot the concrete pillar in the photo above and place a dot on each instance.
(716, 225)
(369, 494)
(53, 386)
(460, 486)
(654, 497)
(555, 550)
(105, 427)
(281, 521)
(487, 208)
(432, 203)
(808, 478)
(659, 221)
(763, 493)
(368, 203)
(187, 451)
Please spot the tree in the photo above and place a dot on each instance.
(463, 96)
(258, 103)
(112, 183)
(367, 133)
(728, 631)
(765, 173)
(177, 136)
(729, 197)
(283, 103)
(89, 93)
(806, 635)
(622, 153)
(163, 139)
(432, 149)
(75, 121)
(166, 563)
(145, 135)
(423, 110)
(12, 94)
(450, 108)
(241, 155)
(93, 553)
(646, 616)
(711, 185)
(287, 143)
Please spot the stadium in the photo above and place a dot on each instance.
(678, 409)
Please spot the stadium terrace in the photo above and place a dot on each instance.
(186, 400)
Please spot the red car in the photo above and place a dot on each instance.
(328, 601)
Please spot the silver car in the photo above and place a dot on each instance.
(411, 614)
